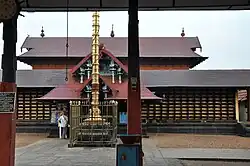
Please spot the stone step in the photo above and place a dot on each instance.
(243, 129)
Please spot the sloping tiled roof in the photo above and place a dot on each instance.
(81, 46)
(156, 78)
(120, 90)
(64, 92)
(71, 90)
(39, 78)
(103, 51)
(196, 78)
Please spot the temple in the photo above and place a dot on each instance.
(173, 96)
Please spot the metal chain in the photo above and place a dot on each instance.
(67, 42)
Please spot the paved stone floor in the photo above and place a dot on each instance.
(213, 163)
(54, 152)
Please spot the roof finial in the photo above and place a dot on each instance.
(42, 33)
(112, 34)
(182, 32)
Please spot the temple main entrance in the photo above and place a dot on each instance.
(86, 130)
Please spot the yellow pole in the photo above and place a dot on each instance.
(95, 67)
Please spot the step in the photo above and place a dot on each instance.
(32, 129)
(194, 130)
(243, 129)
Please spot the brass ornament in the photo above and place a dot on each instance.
(8, 9)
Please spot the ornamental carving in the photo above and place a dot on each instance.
(8, 9)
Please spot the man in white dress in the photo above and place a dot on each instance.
(63, 124)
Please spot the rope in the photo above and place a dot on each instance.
(67, 42)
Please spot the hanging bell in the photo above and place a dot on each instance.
(112, 34)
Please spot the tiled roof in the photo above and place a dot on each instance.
(73, 91)
(102, 52)
(120, 90)
(70, 90)
(156, 78)
(39, 78)
(81, 46)
(64, 92)
(196, 78)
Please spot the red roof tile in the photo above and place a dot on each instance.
(66, 92)
(81, 46)
(120, 91)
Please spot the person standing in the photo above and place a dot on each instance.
(63, 124)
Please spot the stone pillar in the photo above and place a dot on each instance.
(134, 94)
(8, 84)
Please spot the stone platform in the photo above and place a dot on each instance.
(54, 152)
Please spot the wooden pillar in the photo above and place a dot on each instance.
(134, 94)
(8, 84)
(248, 104)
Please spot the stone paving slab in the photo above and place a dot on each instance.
(198, 153)
(54, 152)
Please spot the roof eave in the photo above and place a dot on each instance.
(24, 42)
(197, 61)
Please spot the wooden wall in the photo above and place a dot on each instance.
(30, 109)
(191, 105)
(179, 104)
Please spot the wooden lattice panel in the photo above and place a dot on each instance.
(28, 108)
(192, 104)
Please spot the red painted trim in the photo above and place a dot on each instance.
(125, 68)
(109, 85)
(80, 63)
(8, 130)
(87, 81)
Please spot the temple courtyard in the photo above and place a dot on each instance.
(159, 149)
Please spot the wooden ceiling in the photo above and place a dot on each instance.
(122, 5)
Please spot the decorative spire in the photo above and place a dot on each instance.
(182, 32)
(42, 33)
(112, 34)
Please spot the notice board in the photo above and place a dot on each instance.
(7, 102)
